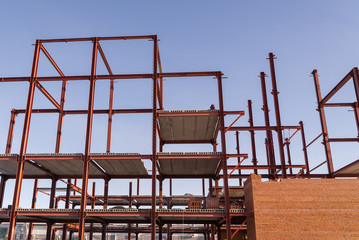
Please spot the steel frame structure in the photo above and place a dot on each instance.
(155, 214)
(157, 104)
(323, 102)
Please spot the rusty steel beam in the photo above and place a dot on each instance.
(4, 179)
(110, 104)
(224, 158)
(87, 150)
(343, 139)
(89, 39)
(154, 138)
(287, 143)
(23, 146)
(11, 131)
(338, 105)
(253, 142)
(323, 121)
(53, 192)
(33, 205)
(238, 159)
(306, 159)
(269, 139)
(48, 95)
(336, 88)
(115, 76)
(277, 113)
(356, 115)
(264, 166)
(261, 128)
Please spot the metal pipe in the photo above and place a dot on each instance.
(23, 146)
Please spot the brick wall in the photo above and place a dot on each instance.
(302, 208)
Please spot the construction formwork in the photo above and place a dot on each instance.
(206, 165)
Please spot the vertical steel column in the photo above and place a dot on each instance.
(203, 188)
(288, 154)
(129, 231)
(239, 159)
(33, 205)
(11, 131)
(105, 201)
(130, 195)
(154, 140)
(253, 142)
(168, 237)
(277, 115)
(87, 159)
(53, 192)
(67, 206)
(105, 206)
(68, 193)
(24, 139)
(110, 115)
(356, 115)
(169, 206)
(213, 232)
(161, 193)
(356, 87)
(103, 233)
(210, 186)
(171, 187)
(323, 122)
(356, 82)
(75, 184)
(267, 123)
(93, 202)
(219, 233)
(304, 147)
(138, 187)
(224, 158)
(2, 189)
(160, 232)
(48, 230)
(61, 117)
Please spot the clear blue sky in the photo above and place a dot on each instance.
(234, 37)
